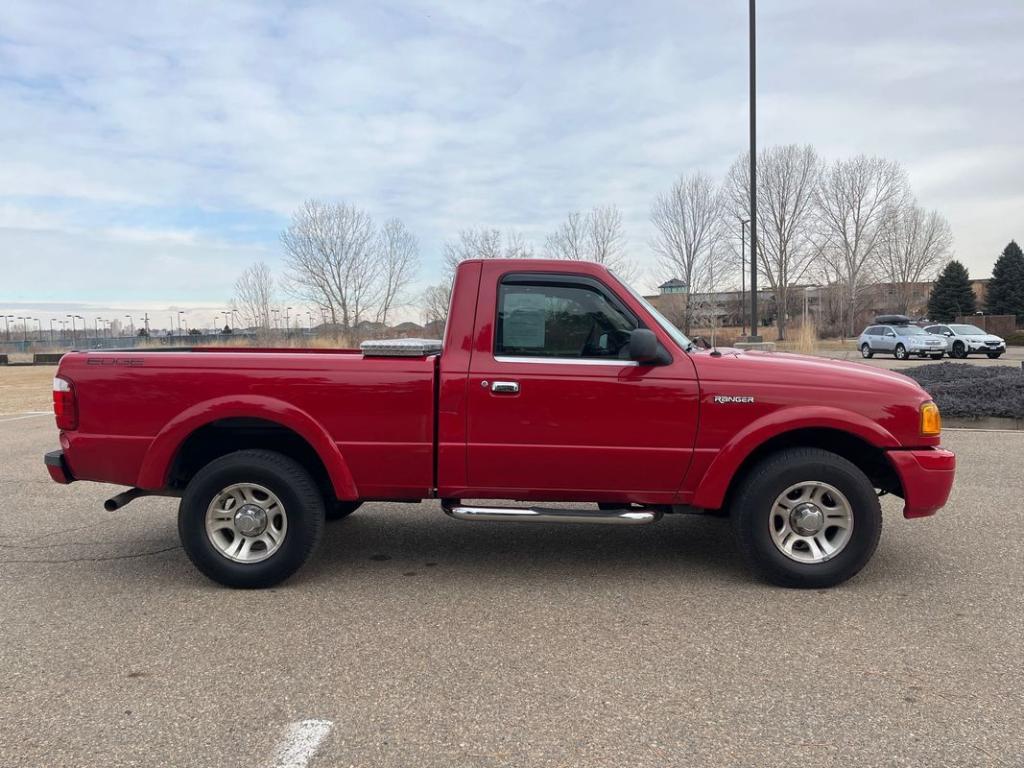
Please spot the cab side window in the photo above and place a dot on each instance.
(570, 318)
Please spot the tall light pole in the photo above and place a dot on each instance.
(753, 178)
(131, 324)
(24, 328)
(7, 325)
(51, 330)
(180, 313)
(39, 329)
(743, 274)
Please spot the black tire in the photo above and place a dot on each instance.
(297, 492)
(900, 353)
(936, 357)
(865, 352)
(959, 351)
(338, 510)
(994, 355)
(751, 515)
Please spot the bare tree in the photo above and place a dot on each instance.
(483, 244)
(398, 254)
(915, 244)
(254, 294)
(595, 236)
(787, 176)
(689, 223)
(470, 244)
(435, 302)
(854, 198)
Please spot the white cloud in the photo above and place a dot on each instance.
(157, 149)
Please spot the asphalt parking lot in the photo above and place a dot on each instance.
(415, 640)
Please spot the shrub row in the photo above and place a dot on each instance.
(965, 391)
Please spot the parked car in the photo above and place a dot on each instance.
(902, 340)
(555, 382)
(964, 340)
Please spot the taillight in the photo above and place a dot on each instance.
(65, 407)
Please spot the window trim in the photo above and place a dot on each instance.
(560, 278)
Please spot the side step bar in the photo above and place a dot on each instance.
(624, 516)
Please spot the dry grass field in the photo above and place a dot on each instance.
(25, 388)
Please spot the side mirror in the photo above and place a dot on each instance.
(947, 333)
(643, 346)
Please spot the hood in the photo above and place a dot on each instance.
(982, 337)
(802, 371)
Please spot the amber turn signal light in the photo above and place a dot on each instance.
(931, 421)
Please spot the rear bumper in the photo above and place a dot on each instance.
(58, 468)
(926, 475)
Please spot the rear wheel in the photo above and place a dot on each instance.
(959, 351)
(900, 353)
(251, 518)
(865, 352)
(806, 518)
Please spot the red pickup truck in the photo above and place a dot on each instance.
(555, 382)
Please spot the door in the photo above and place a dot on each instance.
(887, 341)
(556, 407)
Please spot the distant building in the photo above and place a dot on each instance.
(673, 286)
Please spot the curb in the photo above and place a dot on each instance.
(984, 423)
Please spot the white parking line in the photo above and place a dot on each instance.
(301, 742)
(28, 415)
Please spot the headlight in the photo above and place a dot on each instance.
(931, 421)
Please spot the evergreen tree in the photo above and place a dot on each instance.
(951, 295)
(1006, 289)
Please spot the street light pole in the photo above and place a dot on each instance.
(743, 275)
(7, 326)
(753, 178)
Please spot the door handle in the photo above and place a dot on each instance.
(505, 387)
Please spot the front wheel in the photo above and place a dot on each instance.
(806, 518)
(338, 510)
(251, 518)
(900, 353)
(865, 352)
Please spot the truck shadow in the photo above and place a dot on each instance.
(424, 540)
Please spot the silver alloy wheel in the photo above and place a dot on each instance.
(811, 522)
(246, 523)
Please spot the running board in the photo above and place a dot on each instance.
(624, 516)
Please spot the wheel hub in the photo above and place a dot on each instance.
(251, 520)
(807, 519)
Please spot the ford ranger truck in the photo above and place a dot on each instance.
(555, 382)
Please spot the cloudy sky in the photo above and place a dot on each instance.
(151, 151)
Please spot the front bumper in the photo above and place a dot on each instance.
(979, 346)
(58, 468)
(926, 475)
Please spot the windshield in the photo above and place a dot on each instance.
(967, 330)
(911, 330)
(677, 336)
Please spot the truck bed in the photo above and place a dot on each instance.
(136, 408)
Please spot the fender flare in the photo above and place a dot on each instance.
(161, 453)
(711, 489)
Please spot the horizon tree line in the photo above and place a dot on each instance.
(843, 224)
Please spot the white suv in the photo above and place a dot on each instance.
(964, 340)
